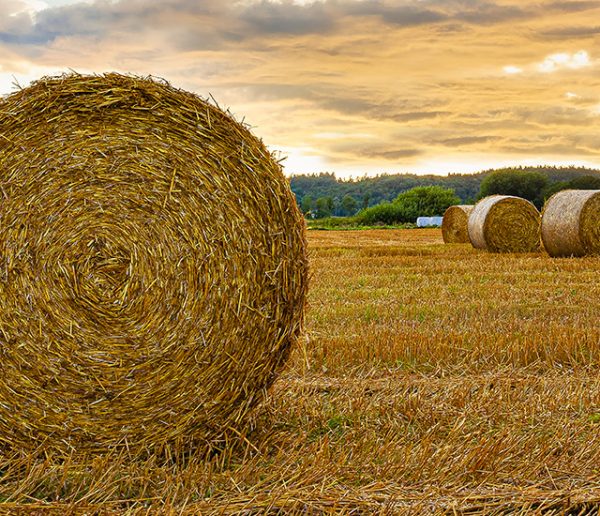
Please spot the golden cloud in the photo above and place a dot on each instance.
(404, 85)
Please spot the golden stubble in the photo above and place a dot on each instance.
(433, 377)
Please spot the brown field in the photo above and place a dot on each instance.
(434, 379)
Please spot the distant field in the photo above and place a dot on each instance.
(434, 378)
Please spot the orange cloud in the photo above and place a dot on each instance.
(403, 85)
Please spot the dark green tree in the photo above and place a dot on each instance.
(372, 190)
(307, 204)
(324, 207)
(588, 182)
(518, 182)
(365, 201)
(585, 183)
(426, 201)
(348, 206)
(552, 188)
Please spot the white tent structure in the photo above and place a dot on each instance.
(423, 222)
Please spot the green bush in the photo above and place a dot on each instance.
(425, 201)
(579, 183)
(422, 201)
(384, 213)
(517, 182)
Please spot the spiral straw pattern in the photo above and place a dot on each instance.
(455, 224)
(153, 267)
(505, 224)
(571, 223)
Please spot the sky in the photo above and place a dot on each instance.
(352, 87)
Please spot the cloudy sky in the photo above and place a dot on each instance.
(348, 86)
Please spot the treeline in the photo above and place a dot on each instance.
(324, 195)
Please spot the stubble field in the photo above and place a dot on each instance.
(434, 379)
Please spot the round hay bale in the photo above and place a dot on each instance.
(455, 228)
(153, 267)
(571, 223)
(505, 224)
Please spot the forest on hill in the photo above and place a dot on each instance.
(344, 197)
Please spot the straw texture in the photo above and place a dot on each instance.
(153, 267)
(505, 224)
(571, 223)
(455, 224)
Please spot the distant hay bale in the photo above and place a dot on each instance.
(505, 224)
(455, 224)
(153, 267)
(571, 223)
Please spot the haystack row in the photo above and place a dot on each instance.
(568, 226)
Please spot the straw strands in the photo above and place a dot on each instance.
(505, 224)
(455, 227)
(153, 269)
(571, 223)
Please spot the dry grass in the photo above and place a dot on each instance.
(437, 379)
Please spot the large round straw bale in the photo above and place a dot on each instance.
(571, 223)
(153, 267)
(455, 227)
(505, 224)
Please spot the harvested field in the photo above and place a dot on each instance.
(435, 378)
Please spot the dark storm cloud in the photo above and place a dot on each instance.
(533, 117)
(570, 32)
(574, 7)
(397, 14)
(378, 152)
(373, 109)
(584, 101)
(288, 18)
(349, 104)
(103, 18)
(481, 12)
(391, 154)
(77, 19)
(416, 115)
(80, 19)
(210, 23)
(16, 28)
(352, 101)
(464, 140)
(589, 141)
(556, 115)
(485, 13)
(557, 149)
